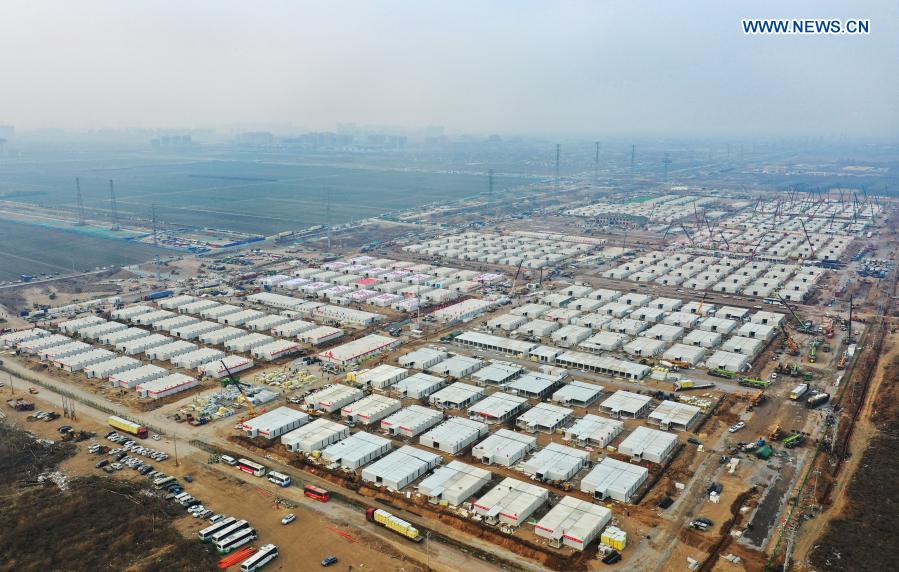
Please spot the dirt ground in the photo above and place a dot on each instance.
(857, 512)
(324, 529)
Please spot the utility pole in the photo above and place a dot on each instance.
(428, 548)
(113, 208)
(175, 441)
(80, 202)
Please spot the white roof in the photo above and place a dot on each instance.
(497, 371)
(455, 430)
(515, 346)
(533, 382)
(545, 414)
(595, 427)
(626, 401)
(370, 405)
(139, 373)
(612, 474)
(454, 364)
(167, 382)
(456, 476)
(413, 417)
(556, 459)
(674, 412)
(578, 391)
(356, 447)
(378, 375)
(647, 442)
(497, 405)
(575, 519)
(402, 463)
(512, 498)
(356, 348)
(274, 419)
(457, 392)
(418, 383)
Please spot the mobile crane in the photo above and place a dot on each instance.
(232, 379)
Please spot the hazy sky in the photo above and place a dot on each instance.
(671, 67)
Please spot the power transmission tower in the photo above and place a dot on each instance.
(490, 207)
(80, 202)
(328, 213)
(558, 153)
(155, 229)
(113, 208)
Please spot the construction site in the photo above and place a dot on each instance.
(665, 379)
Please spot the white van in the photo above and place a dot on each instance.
(228, 460)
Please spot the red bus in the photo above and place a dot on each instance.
(316, 493)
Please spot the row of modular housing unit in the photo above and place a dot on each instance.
(572, 522)
(224, 331)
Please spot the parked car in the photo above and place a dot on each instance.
(736, 427)
(102, 464)
(329, 560)
(694, 440)
(612, 557)
(117, 466)
(288, 519)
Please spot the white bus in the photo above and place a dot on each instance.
(265, 555)
(248, 466)
(279, 479)
(206, 534)
(161, 482)
(234, 527)
(236, 540)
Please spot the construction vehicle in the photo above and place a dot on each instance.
(757, 398)
(515, 279)
(20, 404)
(842, 363)
(396, 524)
(791, 369)
(232, 379)
(802, 326)
(817, 399)
(129, 427)
(813, 351)
(725, 373)
(789, 341)
(756, 383)
(799, 391)
(776, 433)
(686, 385)
(794, 440)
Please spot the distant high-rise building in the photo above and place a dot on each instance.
(7, 132)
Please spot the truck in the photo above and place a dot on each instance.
(158, 295)
(20, 404)
(686, 385)
(817, 399)
(794, 440)
(394, 523)
(726, 373)
(756, 383)
(799, 391)
(129, 427)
